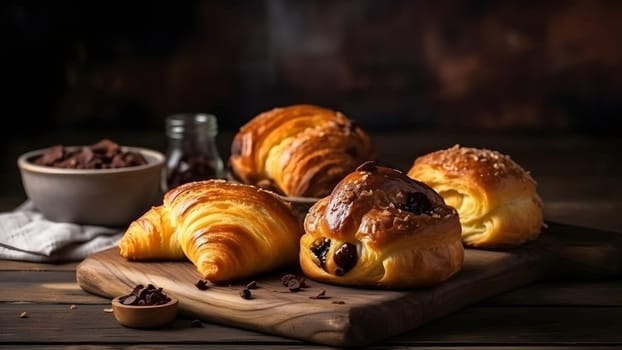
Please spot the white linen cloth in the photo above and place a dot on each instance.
(26, 235)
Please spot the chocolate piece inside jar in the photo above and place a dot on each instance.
(104, 154)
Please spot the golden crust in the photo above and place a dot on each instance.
(496, 198)
(379, 228)
(228, 231)
(298, 150)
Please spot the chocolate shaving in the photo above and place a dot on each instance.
(320, 295)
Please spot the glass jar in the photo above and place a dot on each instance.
(192, 152)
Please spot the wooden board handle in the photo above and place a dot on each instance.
(580, 252)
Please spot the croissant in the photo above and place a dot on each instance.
(496, 199)
(380, 228)
(299, 150)
(228, 231)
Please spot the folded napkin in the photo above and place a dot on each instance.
(26, 235)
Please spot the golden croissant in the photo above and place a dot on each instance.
(496, 198)
(228, 231)
(298, 150)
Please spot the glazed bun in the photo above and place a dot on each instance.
(380, 228)
(496, 198)
(298, 150)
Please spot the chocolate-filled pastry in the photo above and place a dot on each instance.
(228, 231)
(380, 228)
(298, 150)
(495, 197)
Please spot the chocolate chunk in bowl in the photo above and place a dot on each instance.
(103, 184)
(105, 154)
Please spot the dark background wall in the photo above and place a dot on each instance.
(387, 64)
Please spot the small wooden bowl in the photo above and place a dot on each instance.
(149, 316)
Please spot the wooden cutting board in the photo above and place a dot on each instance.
(350, 316)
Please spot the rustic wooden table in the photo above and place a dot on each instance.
(578, 179)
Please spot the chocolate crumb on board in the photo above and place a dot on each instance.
(293, 282)
(24, 314)
(286, 278)
(246, 293)
(338, 302)
(202, 284)
(251, 285)
(320, 295)
(293, 285)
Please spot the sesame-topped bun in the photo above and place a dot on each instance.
(380, 228)
(495, 197)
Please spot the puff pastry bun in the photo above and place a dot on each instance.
(298, 150)
(228, 231)
(380, 228)
(495, 197)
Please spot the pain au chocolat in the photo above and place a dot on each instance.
(496, 198)
(380, 228)
(298, 150)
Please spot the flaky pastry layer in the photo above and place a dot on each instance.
(298, 150)
(228, 231)
(496, 198)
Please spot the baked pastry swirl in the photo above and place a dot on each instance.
(379, 228)
(496, 198)
(298, 150)
(228, 231)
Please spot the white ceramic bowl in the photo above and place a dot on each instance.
(105, 197)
